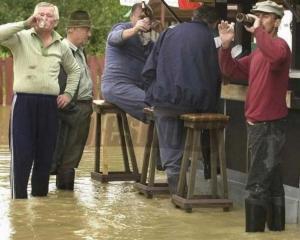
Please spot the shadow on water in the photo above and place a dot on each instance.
(113, 211)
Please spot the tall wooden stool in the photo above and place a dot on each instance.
(101, 107)
(194, 123)
(148, 188)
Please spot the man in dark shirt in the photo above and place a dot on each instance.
(182, 76)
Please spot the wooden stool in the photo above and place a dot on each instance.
(149, 188)
(194, 123)
(101, 107)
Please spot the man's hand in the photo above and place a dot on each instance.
(32, 21)
(255, 25)
(226, 33)
(63, 100)
(142, 25)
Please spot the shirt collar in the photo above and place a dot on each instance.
(55, 35)
(72, 46)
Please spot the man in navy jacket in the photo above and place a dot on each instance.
(182, 76)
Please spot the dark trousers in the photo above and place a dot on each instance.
(71, 139)
(126, 95)
(266, 141)
(32, 140)
(171, 136)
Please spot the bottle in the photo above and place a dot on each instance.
(147, 12)
(244, 19)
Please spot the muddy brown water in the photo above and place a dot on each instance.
(113, 211)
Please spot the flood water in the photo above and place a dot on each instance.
(113, 211)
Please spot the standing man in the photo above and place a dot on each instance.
(128, 46)
(74, 130)
(182, 76)
(267, 71)
(37, 52)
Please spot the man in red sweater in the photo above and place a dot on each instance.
(267, 71)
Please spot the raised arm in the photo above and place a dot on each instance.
(236, 69)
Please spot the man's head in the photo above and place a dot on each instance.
(207, 14)
(137, 12)
(79, 28)
(270, 14)
(48, 13)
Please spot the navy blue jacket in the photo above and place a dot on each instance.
(182, 69)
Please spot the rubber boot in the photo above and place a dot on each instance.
(65, 179)
(172, 183)
(256, 214)
(276, 214)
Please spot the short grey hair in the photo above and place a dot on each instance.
(46, 4)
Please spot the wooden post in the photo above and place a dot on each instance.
(1, 82)
(296, 44)
(163, 15)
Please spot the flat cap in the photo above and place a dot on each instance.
(268, 7)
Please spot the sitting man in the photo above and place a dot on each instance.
(182, 76)
(126, 52)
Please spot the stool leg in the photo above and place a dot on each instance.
(184, 163)
(153, 159)
(147, 153)
(97, 143)
(104, 149)
(222, 158)
(213, 160)
(123, 143)
(196, 153)
(129, 144)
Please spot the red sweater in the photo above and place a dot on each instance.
(267, 71)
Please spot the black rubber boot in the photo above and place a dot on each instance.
(276, 214)
(256, 214)
(172, 183)
(65, 179)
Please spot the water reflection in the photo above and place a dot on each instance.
(113, 211)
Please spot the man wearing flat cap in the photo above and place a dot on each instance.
(267, 72)
(75, 119)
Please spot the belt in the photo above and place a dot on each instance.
(268, 121)
(85, 101)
